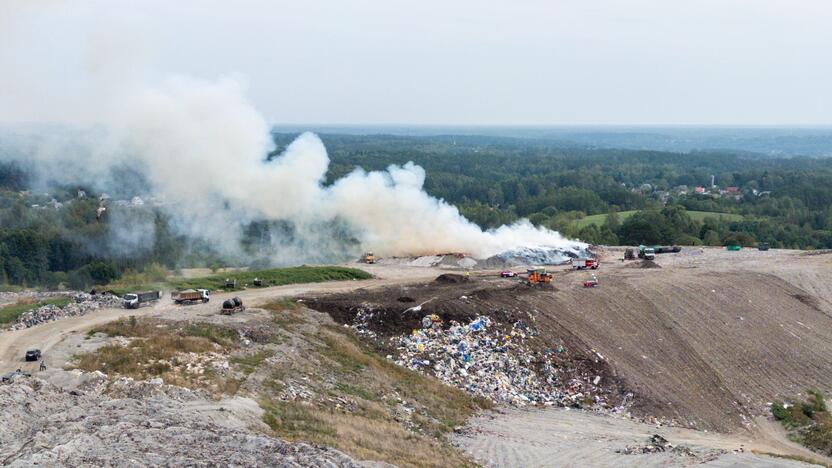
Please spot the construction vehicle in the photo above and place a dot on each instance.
(190, 296)
(733, 248)
(368, 258)
(136, 300)
(230, 283)
(232, 306)
(648, 253)
(763, 246)
(258, 282)
(629, 254)
(585, 263)
(538, 276)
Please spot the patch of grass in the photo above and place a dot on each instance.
(251, 362)
(800, 458)
(155, 351)
(808, 422)
(142, 358)
(362, 437)
(599, 219)
(286, 312)
(273, 277)
(10, 313)
(220, 335)
(295, 420)
(364, 404)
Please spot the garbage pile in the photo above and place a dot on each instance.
(655, 444)
(83, 304)
(493, 361)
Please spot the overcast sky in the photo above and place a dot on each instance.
(432, 62)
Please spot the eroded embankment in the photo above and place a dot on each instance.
(706, 349)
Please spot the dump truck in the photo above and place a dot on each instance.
(232, 306)
(538, 276)
(368, 258)
(763, 246)
(190, 296)
(138, 299)
(585, 263)
(658, 249)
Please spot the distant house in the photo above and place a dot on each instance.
(698, 189)
(732, 190)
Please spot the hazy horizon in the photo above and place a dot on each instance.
(644, 63)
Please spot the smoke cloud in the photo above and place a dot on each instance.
(202, 148)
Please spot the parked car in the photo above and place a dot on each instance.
(507, 274)
(33, 355)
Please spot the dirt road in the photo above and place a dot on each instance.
(14, 344)
(559, 437)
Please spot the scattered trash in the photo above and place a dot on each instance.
(491, 360)
(83, 304)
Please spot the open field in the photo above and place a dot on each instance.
(599, 219)
(203, 278)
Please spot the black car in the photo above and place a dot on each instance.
(33, 355)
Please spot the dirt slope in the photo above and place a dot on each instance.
(556, 437)
(705, 341)
(702, 347)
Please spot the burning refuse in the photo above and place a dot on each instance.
(203, 148)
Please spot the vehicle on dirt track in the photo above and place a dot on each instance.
(190, 296)
(136, 300)
(232, 306)
(33, 355)
(507, 274)
(629, 254)
(368, 258)
(585, 263)
(763, 246)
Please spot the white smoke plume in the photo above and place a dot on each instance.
(203, 148)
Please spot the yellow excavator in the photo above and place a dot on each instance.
(368, 258)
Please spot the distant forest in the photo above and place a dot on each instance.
(644, 197)
(786, 202)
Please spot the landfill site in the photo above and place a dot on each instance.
(667, 362)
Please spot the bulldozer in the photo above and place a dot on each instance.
(368, 258)
(538, 277)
